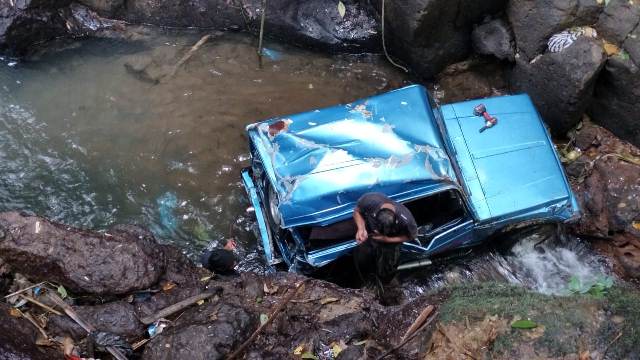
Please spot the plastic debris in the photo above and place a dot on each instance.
(104, 339)
(566, 38)
(167, 203)
(271, 54)
(157, 327)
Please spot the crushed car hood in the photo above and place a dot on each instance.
(321, 162)
(511, 169)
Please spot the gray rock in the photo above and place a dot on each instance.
(632, 45)
(533, 22)
(615, 105)
(561, 84)
(117, 317)
(104, 7)
(314, 23)
(494, 38)
(18, 337)
(617, 20)
(431, 34)
(83, 261)
(210, 331)
(26, 22)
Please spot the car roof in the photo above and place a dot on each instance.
(320, 162)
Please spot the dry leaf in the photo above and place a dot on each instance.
(611, 49)
(15, 312)
(67, 345)
(636, 225)
(205, 278)
(200, 302)
(328, 300)
(342, 10)
(270, 290)
(584, 355)
(298, 350)
(168, 286)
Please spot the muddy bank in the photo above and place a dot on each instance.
(315, 318)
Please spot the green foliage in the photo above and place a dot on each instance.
(524, 324)
(597, 288)
(623, 303)
(63, 292)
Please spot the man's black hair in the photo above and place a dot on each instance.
(387, 222)
(220, 261)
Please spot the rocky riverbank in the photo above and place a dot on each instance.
(123, 299)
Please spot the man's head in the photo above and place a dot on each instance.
(387, 222)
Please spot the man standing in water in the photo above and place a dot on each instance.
(383, 225)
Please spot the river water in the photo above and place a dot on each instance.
(89, 138)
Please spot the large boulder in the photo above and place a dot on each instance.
(494, 38)
(26, 22)
(83, 261)
(431, 34)
(107, 8)
(618, 19)
(314, 23)
(615, 104)
(18, 337)
(533, 21)
(561, 84)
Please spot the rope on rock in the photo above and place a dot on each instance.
(264, 12)
(384, 46)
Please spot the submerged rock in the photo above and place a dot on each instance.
(83, 261)
(561, 84)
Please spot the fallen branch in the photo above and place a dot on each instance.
(23, 290)
(46, 307)
(273, 315)
(189, 54)
(406, 340)
(418, 321)
(147, 320)
(86, 326)
(35, 323)
(604, 353)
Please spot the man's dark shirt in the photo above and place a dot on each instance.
(370, 203)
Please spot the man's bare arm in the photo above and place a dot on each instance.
(361, 234)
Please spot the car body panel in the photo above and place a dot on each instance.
(321, 162)
(511, 169)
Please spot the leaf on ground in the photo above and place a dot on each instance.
(298, 350)
(205, 278)
(270, 290)
(263, 319)
(336, 348)
(636, 225)
(611, 49)
(328, 300)
(524, 324)
(308, 355)
(341, 9)
(168, 286)
(361, 342)
(63, 292)
(200, 302)
(15, 312)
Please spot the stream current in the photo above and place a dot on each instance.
(92, 136)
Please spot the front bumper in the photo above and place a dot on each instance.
(265, 234)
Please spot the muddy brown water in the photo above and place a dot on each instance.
(88, 140)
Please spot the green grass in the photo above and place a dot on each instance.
(568, 320)
(624, 302)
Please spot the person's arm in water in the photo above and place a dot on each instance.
(361, 234)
